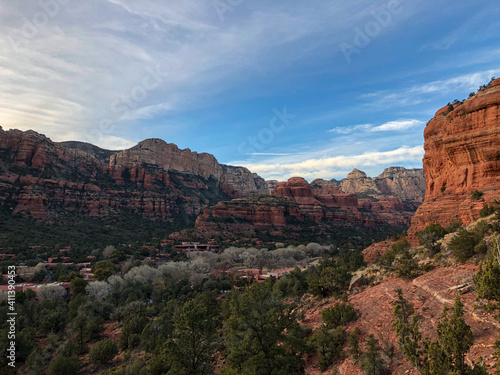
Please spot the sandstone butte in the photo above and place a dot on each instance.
(462, 154)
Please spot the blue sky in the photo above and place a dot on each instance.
(286, 88)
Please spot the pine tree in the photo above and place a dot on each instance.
(455, 336)
(329, 345)
(372, 363)
(487, 279)
(260, 333)
(194, 341)
(406, 326)
(437, 361)
(353, 344)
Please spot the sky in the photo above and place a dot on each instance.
(284, 87)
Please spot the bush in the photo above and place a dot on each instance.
(453, 226)
(463, 245)
(401, 246)
(372, 363)
(481, 248)
(329, 345)
(131, 332)
(407, 267)
(487, 211)
(481, 228)
(487, 280)
(62, 365)
(338, 315)
(103, 352)
(476, 195)
(429, 237)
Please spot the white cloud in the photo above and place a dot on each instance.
(417, 94)
(148, 112)
(351, 129)
(398, 125)
(312, 167)
(90, 54)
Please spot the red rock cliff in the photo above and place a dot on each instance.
(462, 154)
(153, 179)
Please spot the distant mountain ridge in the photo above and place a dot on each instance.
(408, 185)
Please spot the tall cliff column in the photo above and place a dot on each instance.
(462, 154)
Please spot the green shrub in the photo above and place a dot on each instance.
(481, 228)
(131, 332)
(487, 211)
(453, 226)
(329, 345)
(429, 237)
(338, 315)
(463, 245)
(401, 246)
(407, 267)
(481, 248)
(372, 362)
(103, 352)
(476, 195)
(487, 280)
(62, 365)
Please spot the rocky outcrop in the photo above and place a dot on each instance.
(295, 205)
(429, 294)
(235, 181)
(408, 185)
(153, 179)
(242, 181)
(461, 156)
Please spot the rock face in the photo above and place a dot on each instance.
(320, 207)
(462, 154)
(408, 185)
(237, 181)
(153, 179)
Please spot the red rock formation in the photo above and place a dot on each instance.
(235, 181)
(461, 155)
(371, 253)
(153, 179)
(296, 204)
